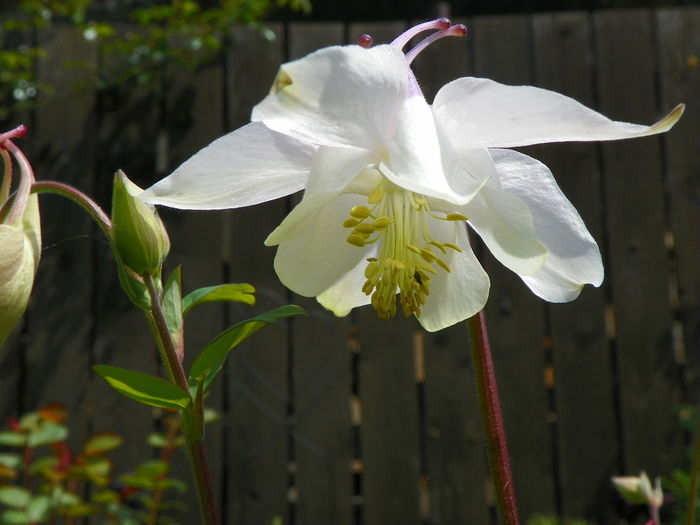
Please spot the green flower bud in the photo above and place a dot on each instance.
(639, 490)
(20, 249)
(138, 235)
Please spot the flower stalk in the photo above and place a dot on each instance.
(694, 472)
(77, 196)
(195, 447)
(492, 419)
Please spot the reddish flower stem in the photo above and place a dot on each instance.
(492, 419)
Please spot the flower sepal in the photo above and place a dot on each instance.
(20, 236)
(139, 238)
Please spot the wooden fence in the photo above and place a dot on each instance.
(331, 421)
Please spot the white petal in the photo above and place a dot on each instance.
(505, 224)
(457, 295)
(468, 170)
(248, 166)
(413, 156)
(573, 258)
(332, 172)
(346, 294)
(310, 263)
(338, 96)
(481, 112)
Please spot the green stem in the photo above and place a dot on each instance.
(78, 197)
(694, 471)
(492, 419)
(195, 447)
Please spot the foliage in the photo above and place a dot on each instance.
(43, 481)
(165, 34)
(553, 520)
(677, 484)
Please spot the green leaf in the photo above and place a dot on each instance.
(13, 517)
(10, 460)
(172, 309)
(157, 440)
(174, 483)
(105, 496)
(153, 469)
(47, 434)
(102, 442)
(211, 359)
(43, 464)
(38, 509)
(97, 469)
(144, 388)
(16, 497)
(240, 293)
(13, 439)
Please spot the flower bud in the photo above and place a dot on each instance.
(638, 489)
(138, 235)
(20, 249)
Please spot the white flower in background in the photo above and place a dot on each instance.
(389, 181)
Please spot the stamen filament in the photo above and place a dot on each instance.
(403, 39)
(456, 30)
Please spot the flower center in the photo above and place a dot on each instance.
(408, 255)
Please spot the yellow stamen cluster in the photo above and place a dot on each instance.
(407, 254)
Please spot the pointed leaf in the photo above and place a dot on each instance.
(210, 360)
(47, 434)
(10, 460)
(144, 388)
(240, 293)
(102, 442)
(13, 439)
(13, 517)
(15, 496)
(38, 509)
(172, 309)
(157, 440)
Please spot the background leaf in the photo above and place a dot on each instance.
(15, 496)
(102, 442)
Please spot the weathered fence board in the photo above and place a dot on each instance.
(257, 454)
(515, 315)
(322, 430)
(580, 376)
(359, 422)
(388, 394)
(59, 355)
(678, 49)
(456, 468)
(647, 374)
(194, 116)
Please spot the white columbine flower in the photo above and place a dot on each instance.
(389, 182)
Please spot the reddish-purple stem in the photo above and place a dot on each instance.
(492, 418)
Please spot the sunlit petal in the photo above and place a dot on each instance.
(338, 96)
(573, 258)
(457, 295)
(248, 166)
(481, 112)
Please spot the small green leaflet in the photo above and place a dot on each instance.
(210, 360)
(144, 388)
(240, 293)
(101, 443)
(172, 309)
